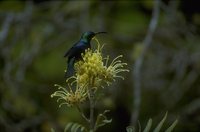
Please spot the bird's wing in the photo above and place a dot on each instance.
(70, 51)
(78, 47)
(70, 68)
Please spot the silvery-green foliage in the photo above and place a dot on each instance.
(74, 127)
(158, 127)
(102, 120)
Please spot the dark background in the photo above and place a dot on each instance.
(35, 35)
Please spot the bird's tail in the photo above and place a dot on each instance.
(70, 68)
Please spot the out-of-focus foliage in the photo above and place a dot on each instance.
(35, 35)
(74, 127)
(158, 127)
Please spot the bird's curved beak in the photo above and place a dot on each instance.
(100, 33)
(97, 33)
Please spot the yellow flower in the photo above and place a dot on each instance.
(94, 69)
(91, 65)
(70, 97)
(113, 69)
(91, 73)
(90, 69)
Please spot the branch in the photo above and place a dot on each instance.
(138, 64)
(24, 124)
(82, 114)
(91, 98)
(5, 28)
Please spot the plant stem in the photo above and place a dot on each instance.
(82, 114)
(91, 110)
(139, 63)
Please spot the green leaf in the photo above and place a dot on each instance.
(157, 129)
(74, 127)
(52, 130)
(170, 129)
(68, 126)
(148, 126)
(102, 120)
(139, 126)
(130, 129)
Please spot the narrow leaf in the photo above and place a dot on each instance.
(139, 125)
(157, 129)
(68, 126)
(102, 120)
(148, 126)
(73, 128)
(130, 129)
(170, 129)
(52, 130)
(107, 121)
(82, 129)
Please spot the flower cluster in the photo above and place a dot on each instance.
(91, 73)
(90, 69)
(70, 97)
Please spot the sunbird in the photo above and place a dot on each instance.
(74, 53)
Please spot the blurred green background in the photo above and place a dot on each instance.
(35, 35)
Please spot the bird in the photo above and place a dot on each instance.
(74, 53)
